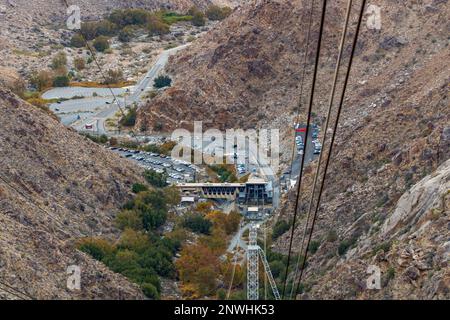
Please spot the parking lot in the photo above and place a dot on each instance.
(178, 171)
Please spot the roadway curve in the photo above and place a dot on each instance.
(97, 110)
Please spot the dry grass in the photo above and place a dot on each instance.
(92, 84)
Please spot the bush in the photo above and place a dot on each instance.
(79, 63)
(332, 236)
(345, 245)
(96, 247)
(126, 34)
(59, 60)
(280, 228)
(162, 81)
(61, 81)
(214, 12)
(114, 76)
(105, 28)
(129, 120)
(278, 268)
(197, 223)
(101, 43)
(198, 19)
(128, 17)
(155, 179)
(150, 291)
(129, 219)
(139, 187)
(314, 246)
(157, 27)
(77, 41)
(97, 139)
(224, 173)
(42, 80)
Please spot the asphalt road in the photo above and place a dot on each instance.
(97, 110)
(70, 92)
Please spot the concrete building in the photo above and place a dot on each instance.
(254, 191)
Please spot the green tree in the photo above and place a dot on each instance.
(129, 219)
(155, 179)
(197, 223)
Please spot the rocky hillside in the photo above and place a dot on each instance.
(394, 130)
(409, 241)
(30, 31)
(56, 187)
(242, 74)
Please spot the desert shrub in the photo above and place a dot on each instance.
(79, 63)
(59, 60)
(126, 34)
(345, 245)
(198, 19)
(332, 236)
(114, 76)
(42, 80)
(96, 247)
(214, 12)
(129, 17)
(156, 27)
(101, 43)
(314, 246)
(138, 187)
(61, 81)
(280, 228)
(129, 120)
(162, 81)
(77, 41)
(97, 139)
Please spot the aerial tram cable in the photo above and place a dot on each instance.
(308, 123)
(330, 105)
(300, 102)
(339, 110)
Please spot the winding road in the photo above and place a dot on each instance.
(96, 110)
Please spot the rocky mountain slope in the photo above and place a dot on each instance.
(246, 72)
(394, 130)
(56, 187)
(31, 31)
